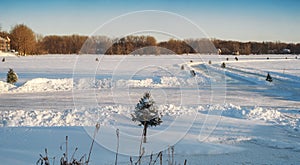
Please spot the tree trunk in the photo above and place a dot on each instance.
(145, 132)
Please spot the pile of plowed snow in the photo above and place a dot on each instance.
(5, 87)
(45, 85)
(106, 115)
(51, 85)
(83, 117)
(269, 115)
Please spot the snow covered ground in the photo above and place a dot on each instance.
(220, 116)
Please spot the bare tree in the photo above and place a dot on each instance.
(23, 39)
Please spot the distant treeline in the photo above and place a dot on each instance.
(25, 41)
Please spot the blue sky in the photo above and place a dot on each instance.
(256, 20)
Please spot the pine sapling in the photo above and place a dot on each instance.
(12, 77)
(146, 113)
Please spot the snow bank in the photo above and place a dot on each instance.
(254, 113)
(45, 85)
(135, 83)
(273, 116)
(53, 118)
(5, 87)
(106, 115)
(84, 117)
(162, 82)
(38, 85)
(52, 85)
(86, 83)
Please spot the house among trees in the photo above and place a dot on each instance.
(235, 53)
(286, 51)
(4, 44)
(219, 51)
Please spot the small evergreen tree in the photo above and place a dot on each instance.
(269, 78)
(12, 77)
(146, 113)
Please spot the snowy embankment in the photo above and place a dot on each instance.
(67, 84)
(107, 115)
(38, 85)
(5, 87)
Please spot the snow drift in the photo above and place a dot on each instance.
(107, 115)
(67, 84)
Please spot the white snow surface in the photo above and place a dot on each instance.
(5, 87)
(67, 84)
(104, 115)
(221, 116)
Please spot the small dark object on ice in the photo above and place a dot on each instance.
(3, 59)
(182, 67)
(193, 73)
(223, 65)
(236, 59)
(269, 78)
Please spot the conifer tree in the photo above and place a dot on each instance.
(12, 77)
(146, 113)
